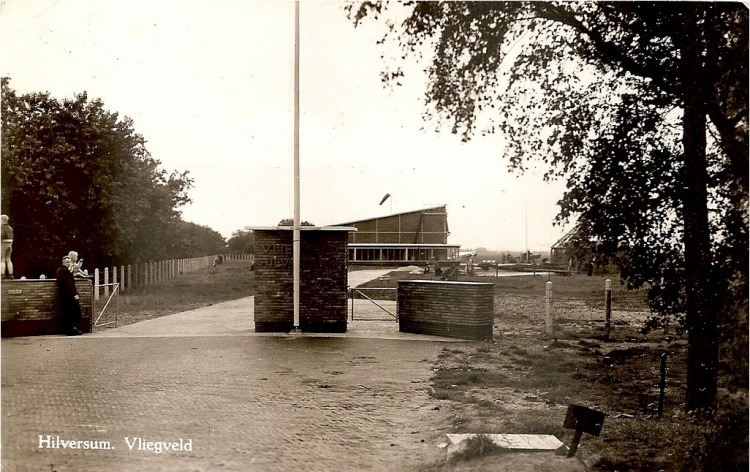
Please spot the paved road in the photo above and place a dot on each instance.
(358, 277)
(245, 402)
(240, 401)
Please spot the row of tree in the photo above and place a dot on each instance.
(244, 240)
(76, 176)
(642, 107)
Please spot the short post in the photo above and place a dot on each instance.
(607, 307)
(548, 317)
(114, 277)
(106, 281)
(122, 278)
(662, 381)
(130, 279)
(96, 284)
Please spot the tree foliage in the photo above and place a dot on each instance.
(242, 242)
(76, 176)
(642, 107)
(290, 222)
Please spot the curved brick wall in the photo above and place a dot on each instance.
(452, 309)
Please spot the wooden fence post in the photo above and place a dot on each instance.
(96, 284)
(106, 281)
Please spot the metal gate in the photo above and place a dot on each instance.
(112, 309)
(373, 304)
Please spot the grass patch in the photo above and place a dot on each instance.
(523, 381)
(228, 281)
(477, 447)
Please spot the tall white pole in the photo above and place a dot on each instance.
(296, 233)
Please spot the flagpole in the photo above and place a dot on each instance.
(296, 230)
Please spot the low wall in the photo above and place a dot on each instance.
(31, 307)
(453, 309)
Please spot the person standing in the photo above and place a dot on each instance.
(7, 247)
(70, 308)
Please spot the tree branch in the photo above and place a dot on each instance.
(609, 50)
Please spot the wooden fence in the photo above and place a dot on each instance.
(147, 273)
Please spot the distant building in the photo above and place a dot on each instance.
(584, 259)
(559, 253)
(402, 239)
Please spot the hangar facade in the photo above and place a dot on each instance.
(402, 238)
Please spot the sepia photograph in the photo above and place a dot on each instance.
(319, 235)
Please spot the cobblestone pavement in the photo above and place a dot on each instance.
(244, 403)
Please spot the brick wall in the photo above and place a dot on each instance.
(323, 281)
(31, 308)
(452, 309)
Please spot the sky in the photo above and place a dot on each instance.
(209, 84)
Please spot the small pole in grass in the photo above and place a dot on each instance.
(662, 381)
(607, 307)
(548, 317)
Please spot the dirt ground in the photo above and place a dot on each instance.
(524, 380)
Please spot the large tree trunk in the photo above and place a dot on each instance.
(703, 347)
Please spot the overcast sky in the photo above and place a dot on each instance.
(209, 84)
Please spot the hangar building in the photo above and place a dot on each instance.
(402, 238)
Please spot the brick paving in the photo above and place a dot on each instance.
(249, 402)
(246, 402)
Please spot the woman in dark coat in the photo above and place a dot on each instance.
(70, 309)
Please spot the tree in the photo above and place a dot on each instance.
(193, 240)
(290, 222)
(78, 177)
(641, 106)
(242, 242)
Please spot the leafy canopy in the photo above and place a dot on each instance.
(76, 176)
